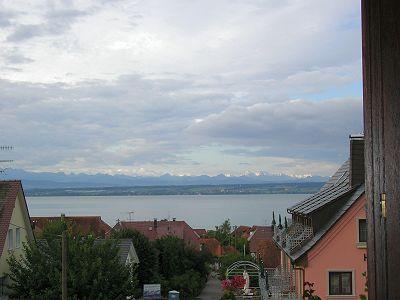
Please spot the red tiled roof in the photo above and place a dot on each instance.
(157, 229)
(242, 231)
(259, 234)
(212, 245)
(8, 195)
(200, 231)
(85, 224)
(229, 249)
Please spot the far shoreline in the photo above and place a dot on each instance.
(289, 188)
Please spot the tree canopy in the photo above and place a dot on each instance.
(169, 262)
(147, 253)
(94, 269)
(182, 268)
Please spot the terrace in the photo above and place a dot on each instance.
(292, 237)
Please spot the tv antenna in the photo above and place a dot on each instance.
(131, 214)
(4, 161)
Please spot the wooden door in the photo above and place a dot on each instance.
(381, 75)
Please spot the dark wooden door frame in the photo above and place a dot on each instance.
(381, 79)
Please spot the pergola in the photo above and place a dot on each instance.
(381, 77)
(237, 268)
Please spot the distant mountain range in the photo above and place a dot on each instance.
(48, 180)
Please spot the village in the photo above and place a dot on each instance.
(319, 251)
(200, 150)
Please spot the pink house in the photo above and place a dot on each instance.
(325, 243)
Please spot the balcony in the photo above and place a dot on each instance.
(278, 283)
(291, 238)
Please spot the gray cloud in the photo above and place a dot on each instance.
(14, 58)
(23, 32)
(131, 121)
(5, 18)
(135, 121)
(190, 87)
(56, 22)
(302, 129)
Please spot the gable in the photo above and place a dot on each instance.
(330, 221)
(11, 197)
(343, 234)
(21, 213)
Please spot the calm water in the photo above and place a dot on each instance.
(200, 211)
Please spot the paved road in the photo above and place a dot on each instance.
(212, 290)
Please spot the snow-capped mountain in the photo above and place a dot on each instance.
(62, 180)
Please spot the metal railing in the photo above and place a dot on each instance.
(278, 283)
(293, 237)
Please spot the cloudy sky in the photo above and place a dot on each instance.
(180, 86)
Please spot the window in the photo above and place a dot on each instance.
(10, 239)
(340, 283)
(362, 230)
(17, 237)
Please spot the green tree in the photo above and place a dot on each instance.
(241, 243)
(94, 269)
(199, 261)
(222, 233)
(147, 253)
(189, 284)
(181, 268)
(171, 256)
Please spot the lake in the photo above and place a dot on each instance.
(199, 211)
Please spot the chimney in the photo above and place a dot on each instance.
(357, 173)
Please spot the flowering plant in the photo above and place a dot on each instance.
(234, 284)
(309, 291)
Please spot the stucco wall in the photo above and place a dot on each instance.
(17, 220)
(339, 250)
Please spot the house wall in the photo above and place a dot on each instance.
(339, 250)
(18, 219)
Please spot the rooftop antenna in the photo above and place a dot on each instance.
(131, 213)
(3, 161)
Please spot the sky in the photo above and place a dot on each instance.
(180, 87)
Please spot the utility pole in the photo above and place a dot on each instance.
(234, 233)
(64, 291)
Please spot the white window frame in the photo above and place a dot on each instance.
(10, 239)
(17, 237)
(353, 283)
(361, 245)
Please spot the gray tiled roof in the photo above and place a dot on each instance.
(352, 198)
(124, 246)
(337, 186)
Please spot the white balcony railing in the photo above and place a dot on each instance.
(278, 283)
(293, 237)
